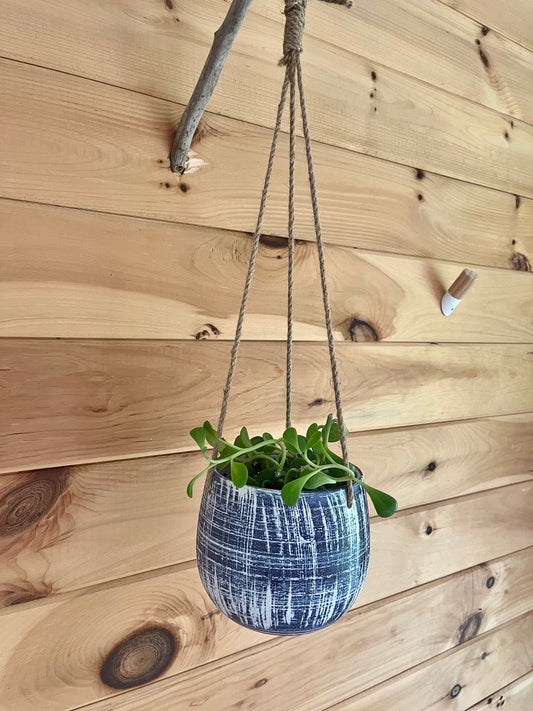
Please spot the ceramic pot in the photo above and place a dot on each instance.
(277, 569)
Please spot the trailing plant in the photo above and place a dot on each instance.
(291, 463)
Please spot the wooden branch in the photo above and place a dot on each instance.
(224, 37)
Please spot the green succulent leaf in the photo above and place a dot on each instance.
(228, 450)
(319, 479)
(291, 490)
(384, 504)
(314, 439)
(245, 438)
(190, 485)
(198, 435)
(334, 434)
(290, 437)
(239, 474)
(210, 433)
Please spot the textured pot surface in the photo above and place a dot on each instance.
(279, 569)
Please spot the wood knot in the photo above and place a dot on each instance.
(25, 505)
(317, 402)
(520, 262)
(140, 658)
(484, 58)
(470, 628)
(456, 690)
(260, 683)
(362, 331)
(490, 582)
(208, 330)
(273, 241)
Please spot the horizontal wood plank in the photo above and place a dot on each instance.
(471, 670)
(77, 274)
(517, 696)
(122, 518)
(426, 40)
(513, 19)
(119, 164)
(69, 402)
(380, 641)
(421, 38)
(413, 123)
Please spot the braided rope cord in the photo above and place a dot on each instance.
(293, 82)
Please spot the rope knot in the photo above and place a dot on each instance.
(294, 29)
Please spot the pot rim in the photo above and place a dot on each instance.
(305, 493)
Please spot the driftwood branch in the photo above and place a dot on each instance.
(224, 37)
(205, 85)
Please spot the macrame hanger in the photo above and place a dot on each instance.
(292, 84)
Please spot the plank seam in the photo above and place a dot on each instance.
(443, 655)
(481, 24)
(164, 453)
(314, 140)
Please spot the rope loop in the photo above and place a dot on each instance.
(294, 30)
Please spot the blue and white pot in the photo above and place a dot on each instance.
(279, 569)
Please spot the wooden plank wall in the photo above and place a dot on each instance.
(119, 289)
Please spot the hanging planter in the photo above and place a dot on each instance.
(278, 549)
(283, 533)
(278, 569)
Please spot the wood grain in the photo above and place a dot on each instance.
(77, 274)
(513, 20)
(69, 402)
(462, 676)
(423, 39)
(516, 696)
(121, 518)
(137, 44)
(119, 164)
(380, 640)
